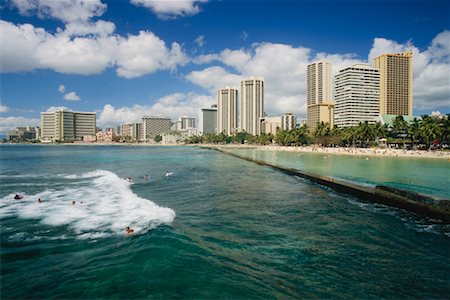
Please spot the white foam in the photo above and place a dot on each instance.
(109, 206)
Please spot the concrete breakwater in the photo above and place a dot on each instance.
(411, 201)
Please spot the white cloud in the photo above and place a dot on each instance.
(145, 54)
(173, 106)
(200, 40)
(61, 89)
(71, 96)
(26, 48)
(213, 78)
(57, 108)
(64, 10)
(10, 123)
(3, 108)
(171, 9)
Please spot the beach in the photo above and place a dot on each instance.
(379, 152)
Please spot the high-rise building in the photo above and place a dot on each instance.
(396, 72)
(227, 110)
(136, 131)
(187, 122)
(252, 105)
(208, 120)
(357, 95)
(288, 121)
(152, 126)
(66, 126)
(319, 89)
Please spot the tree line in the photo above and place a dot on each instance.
(427, 132)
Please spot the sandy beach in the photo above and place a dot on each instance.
(346, 151)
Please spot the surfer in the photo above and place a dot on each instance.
(18, 197)
(169, 173)
(39, 200)
(146, 177)
(129, 231)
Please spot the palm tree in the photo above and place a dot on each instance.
(400, 128)
(413, 131)
(430, 129)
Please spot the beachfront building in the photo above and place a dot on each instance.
(208, 120)
(396, 72)
(187, 122)
(67, 126)
(357, 95)
(153, 126)
(136, 131)
(288, 121)
(26, 133)
(271, 125)
(252, 105)
(227, 110)
(319, 94)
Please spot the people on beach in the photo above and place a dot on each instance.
(129, 231)
(18, 197)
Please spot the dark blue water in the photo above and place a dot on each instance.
(220, 227)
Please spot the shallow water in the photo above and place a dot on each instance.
(425, 175)
(220, 227)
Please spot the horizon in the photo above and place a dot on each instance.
(96, 57)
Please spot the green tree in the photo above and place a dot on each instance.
(158, 138)
(430, 129)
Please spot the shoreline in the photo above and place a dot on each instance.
(360, 152)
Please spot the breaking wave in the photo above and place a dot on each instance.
(104, 205)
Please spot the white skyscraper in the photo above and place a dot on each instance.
(288, 121)
(227, 110)
(357, 95)
(66, 126)
(319, 98)
(252, 105)
(152, 126)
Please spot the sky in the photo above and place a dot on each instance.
(132, 58)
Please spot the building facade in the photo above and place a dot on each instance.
(208, 120)
(396, 72)
(288, 121)
(187, 122)
(319, 97)
(67, 126)
(227, 110)
(357, 95)
(153, 126)
(271, 125)
(252, 105)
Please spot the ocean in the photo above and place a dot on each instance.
(219, 227)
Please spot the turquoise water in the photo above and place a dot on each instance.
(425, 175)
(220, 227)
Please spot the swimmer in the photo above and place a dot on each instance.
(18, 197)
(146, 177)
(129, 230)
(39, 200)
(73, 202)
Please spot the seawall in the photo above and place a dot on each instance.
(411, 201)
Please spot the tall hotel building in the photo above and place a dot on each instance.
(252, 105)
(319, 89)
(152, 126)
(227, 110)
(288, 121)
(357, 95)
(396, 72)
(208, 120)
(67, 126)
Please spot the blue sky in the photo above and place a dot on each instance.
(125, 59)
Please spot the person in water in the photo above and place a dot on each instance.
(18, 197)
(39, 200)
(129, 230)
